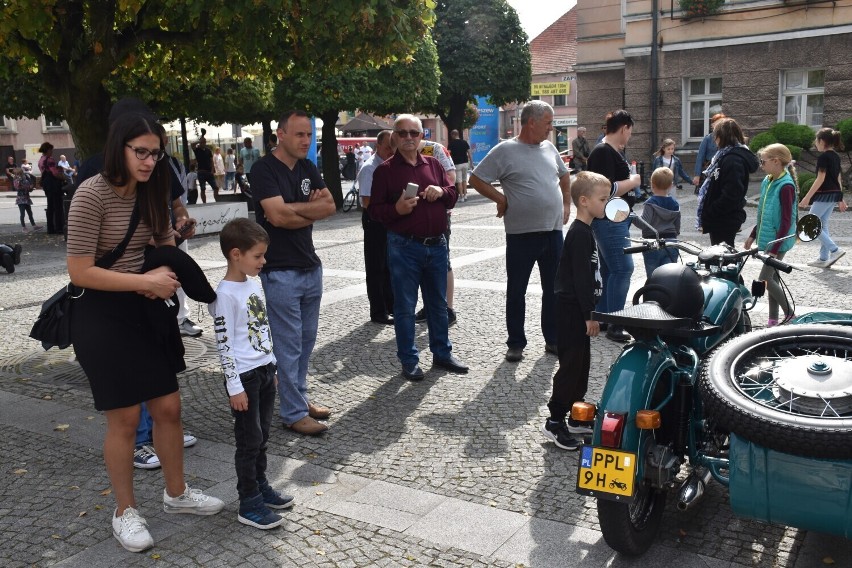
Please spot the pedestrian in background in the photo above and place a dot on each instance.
(580, 150)
(460, 153)
(825, 193)
(51, 183)
(776, 219)
(608, 160)
(230, 170)
(662, 212)
(665, 158)
(125, 338)
(23, 186)
(706, 150)
(219, 167)
(722, 197)
(244, 343)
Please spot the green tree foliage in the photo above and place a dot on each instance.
(402, 85)
(793, 134)
(761, 141)
(482, 50)
(69, 50)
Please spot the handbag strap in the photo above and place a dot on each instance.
(109, 258)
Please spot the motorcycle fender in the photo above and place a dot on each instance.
(629, 387)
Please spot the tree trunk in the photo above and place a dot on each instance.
(85, 106)
(455, 117)
(267, 135)
(330, 159)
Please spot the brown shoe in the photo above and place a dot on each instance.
(318, 412)
(308, 426)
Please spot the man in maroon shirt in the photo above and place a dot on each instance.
(417, 249)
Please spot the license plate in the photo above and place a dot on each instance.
(606, 473)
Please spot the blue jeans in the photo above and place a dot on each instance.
(251, 430)
(144, 437)
(616, 267)
(416, 266)
(823, 210)
(656, 258)
(293, 304)
(522, 252)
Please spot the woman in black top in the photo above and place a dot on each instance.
(825, 192)
(721, 209)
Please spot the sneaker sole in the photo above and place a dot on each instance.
(132, 548)
(552, 437)
(251, 523)
(192, 510)
(829, 262)
(145, 466)
(286, 505)
(190, 444)
(580, 431)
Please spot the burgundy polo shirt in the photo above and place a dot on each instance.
(389, 181)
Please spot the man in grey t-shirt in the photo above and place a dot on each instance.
(535, 204)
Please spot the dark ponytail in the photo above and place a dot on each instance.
(830, 138)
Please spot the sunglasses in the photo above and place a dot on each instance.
(143, 153)
(407, 133)
(764, 160)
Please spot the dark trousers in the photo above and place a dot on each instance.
(573, 347)
(379, 291)
(251, 430)
(723, 236)
(55, 213)
(203, 179)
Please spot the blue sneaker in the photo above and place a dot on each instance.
(255, 514)
(275, 500)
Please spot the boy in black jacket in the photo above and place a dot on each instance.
(578, 287)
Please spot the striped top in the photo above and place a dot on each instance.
(97, 222)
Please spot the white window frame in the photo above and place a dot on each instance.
(53, 127)
(803, 92)
(706, 97)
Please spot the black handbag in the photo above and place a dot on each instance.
(53, 325)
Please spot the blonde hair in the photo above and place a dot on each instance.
(585, 183)
(662, 178)
(781, 153)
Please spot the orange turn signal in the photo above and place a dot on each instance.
(583, 412)
(648, 420)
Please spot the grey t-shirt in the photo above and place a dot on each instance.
(529, 174)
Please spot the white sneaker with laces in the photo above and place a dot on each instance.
(189, 329)
(193, 502)
(835, 256)
(188, 439)
(131, 530)
(819, 263)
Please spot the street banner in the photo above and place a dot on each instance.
(485, 134)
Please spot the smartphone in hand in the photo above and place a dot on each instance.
(411, 190)
(187, 227)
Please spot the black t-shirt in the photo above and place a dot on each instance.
(458, 150)
(578, 278)
(608, 162)
(204, 157)
(829, 190)
(8, 169)
(270, 177)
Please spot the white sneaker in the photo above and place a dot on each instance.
(189, 329)
(188, 439)
(131, 530)
(819, 263)
(835, 256)
(192, 501)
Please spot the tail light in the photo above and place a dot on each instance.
(611, 430)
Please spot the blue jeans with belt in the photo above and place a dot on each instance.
(414, 265)
(523, 250)
(293, 305)
(616, 267)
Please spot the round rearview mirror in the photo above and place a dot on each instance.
(617, 210)
(808, 228)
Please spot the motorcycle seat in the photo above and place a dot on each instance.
(649, 315)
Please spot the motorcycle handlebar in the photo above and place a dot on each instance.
(774, 262)
(651, 244)
(638, 248)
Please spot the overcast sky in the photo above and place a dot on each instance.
(536, 15)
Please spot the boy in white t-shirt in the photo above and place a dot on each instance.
(245, 351)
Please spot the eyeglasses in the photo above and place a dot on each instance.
(143, 153)
(764, 160)
(407, 133)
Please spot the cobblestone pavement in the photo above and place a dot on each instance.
(452, 441)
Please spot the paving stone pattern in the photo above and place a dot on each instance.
(453, 443)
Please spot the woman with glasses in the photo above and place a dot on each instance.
(721, 199)
(125, 335)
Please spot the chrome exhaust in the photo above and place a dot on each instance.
(693, 488)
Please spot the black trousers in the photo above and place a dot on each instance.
(251, 430)
(55, 212)
(573, 346)
(723, 236)
(379, 291)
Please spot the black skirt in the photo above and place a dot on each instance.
(129, 347)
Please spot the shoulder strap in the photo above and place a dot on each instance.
(109, 258)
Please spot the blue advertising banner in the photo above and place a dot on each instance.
(312, 151)
(486, 132)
